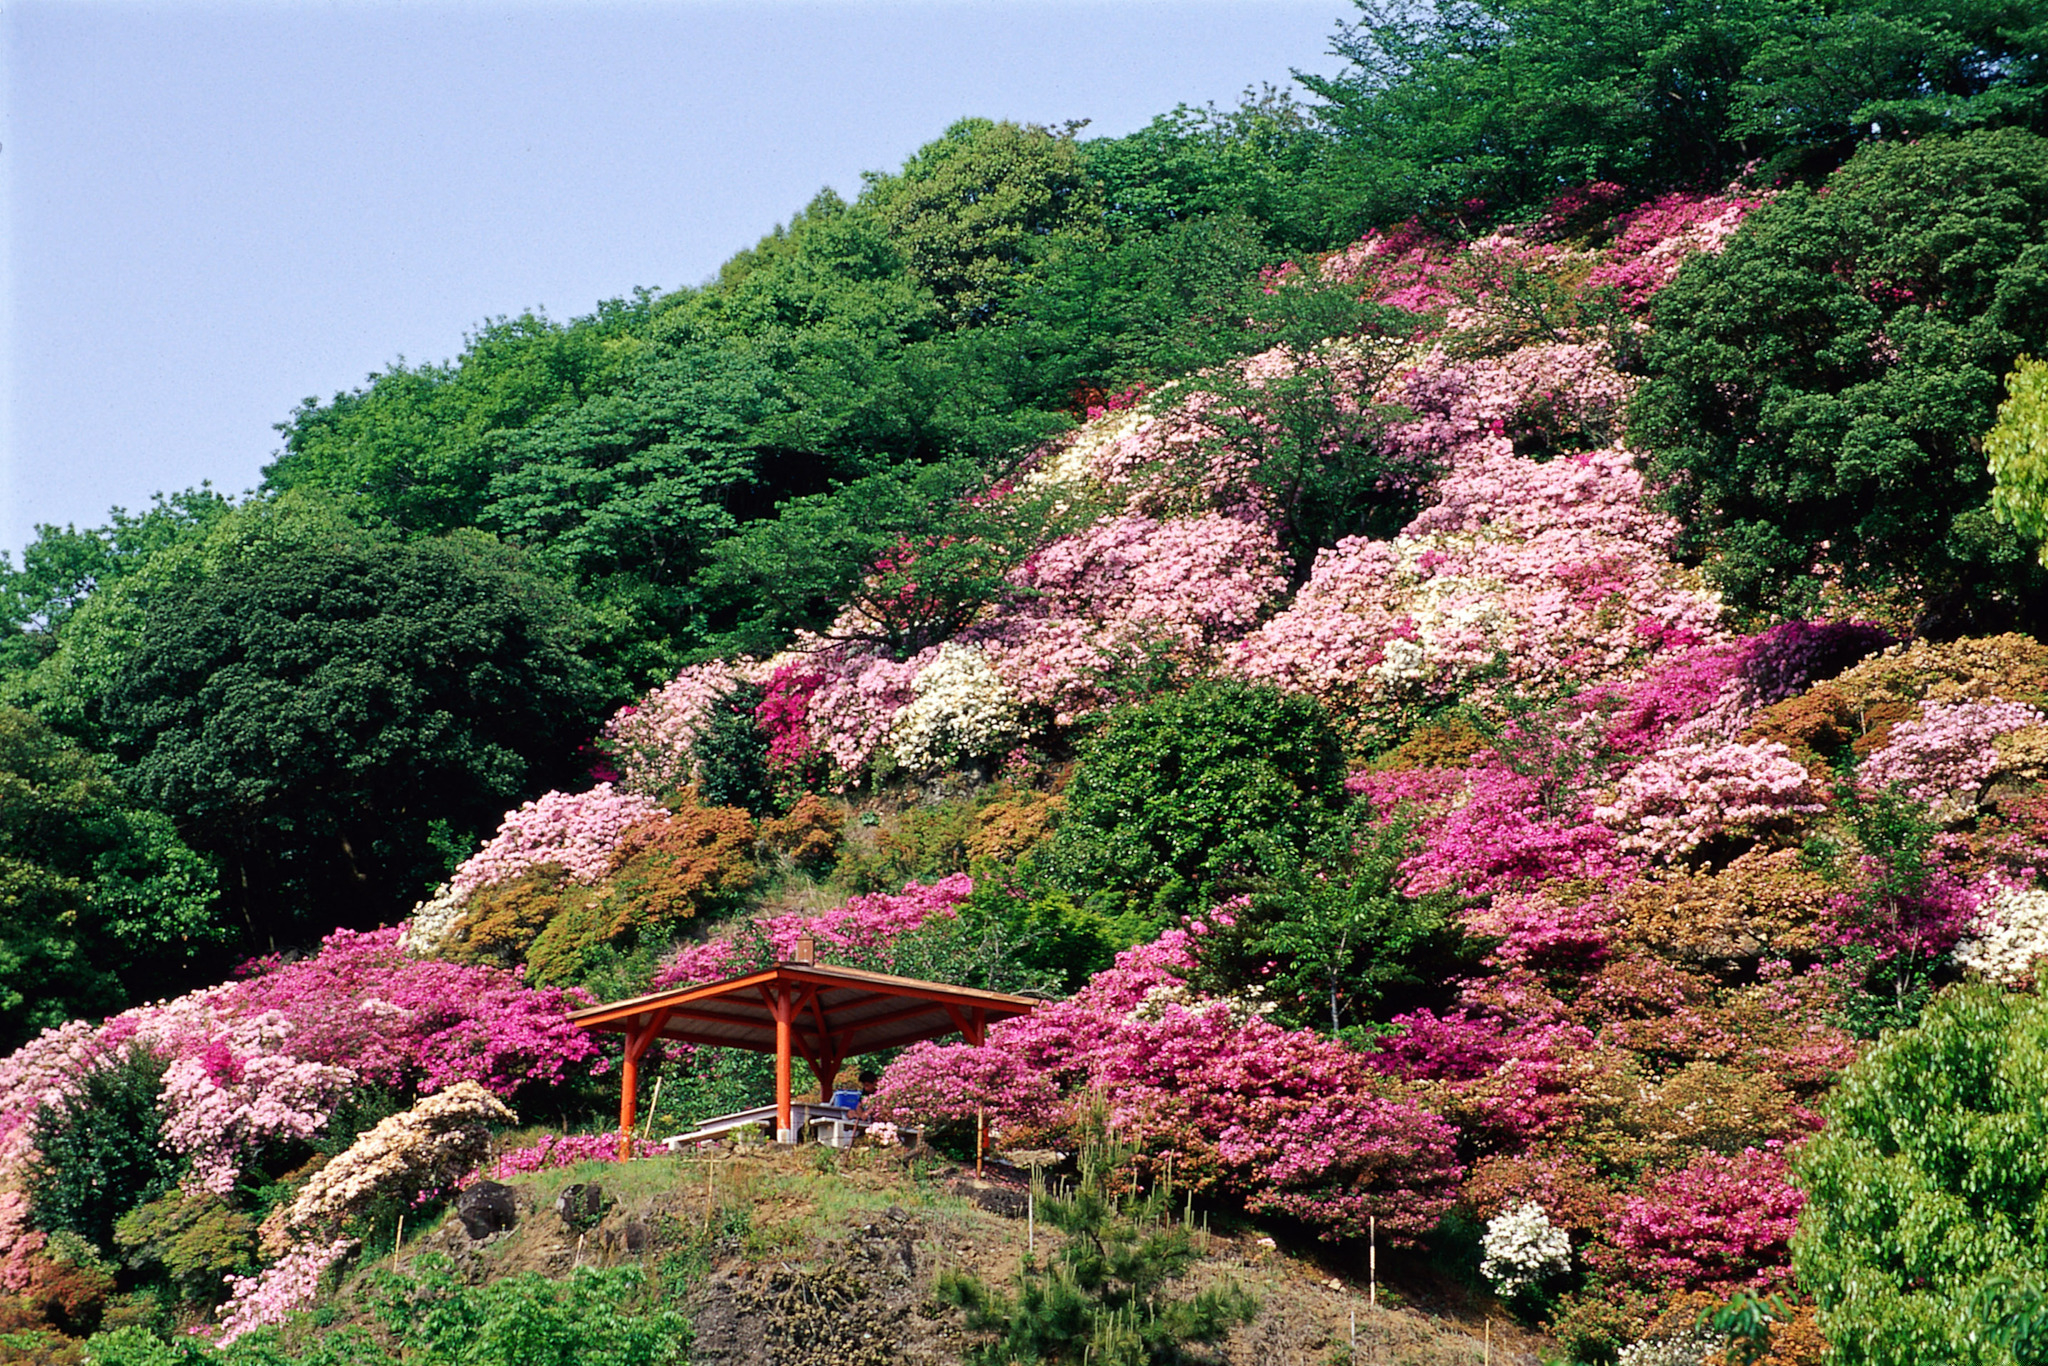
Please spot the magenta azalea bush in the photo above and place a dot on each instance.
(1287, 1121)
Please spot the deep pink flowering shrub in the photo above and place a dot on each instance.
(1287, 1121)
(1537, 931)
(563, 1150)
(1656, 239)
(1686, 794)
(578, 831)
(1500, 836)
(785, 710)
(1715, 1224)
(858, 931)
(418, 1024)
(1509, 1082)
(1677, 694)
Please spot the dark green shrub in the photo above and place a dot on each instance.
(1819, 390)
(102, 1151)
(731, 756)
(1195, 796)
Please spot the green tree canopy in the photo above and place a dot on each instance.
(2018, 447)
(99, 900)
(1927, 1192)
(967, 210)
(1818, 390)
(1196, 796)
(330, 712)
(1479, 108)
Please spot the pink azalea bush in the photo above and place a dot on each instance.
(1126, 587)
(1686, 794)
(861, 928)
(563, 1150)
(418, 1024)
(577, 831)
(1496, 833)
(1658, 238)
(1944, 758)
(280, 1290)
(651, 739)
(1290, 1122)
(1719, 1222)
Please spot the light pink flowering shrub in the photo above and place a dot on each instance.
(278, 1291)
(651, 739)
(1944, 758)
(1686, 794)
(243, 1090)
(1129, 586)
(578, 831)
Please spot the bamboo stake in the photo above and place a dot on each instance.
(979, 1125)
(647, 1129)
(398, 1242)
(1372, 1257)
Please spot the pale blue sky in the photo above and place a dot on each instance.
(210, 212)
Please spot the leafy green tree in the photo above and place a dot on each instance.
(915, 554)
(1829, 74)
(626, 493)
(1928, 1189)
(99, 900)
(1195, 796)
(967, 210)
(332, 713)
(1107, 1296)
(62, 567)
(2018, 447)
(1331, 937)
(1477, 109)
(1256, 162)
(417, 445)
(1486, 107)
(1308, 428)
(1817, 390)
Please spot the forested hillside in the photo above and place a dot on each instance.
(1477, 628)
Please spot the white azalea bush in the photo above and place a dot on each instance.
(1522, 1248)
(2010, 933)
(960, 709)
(1693, 1348)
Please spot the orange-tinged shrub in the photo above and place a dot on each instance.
(809, 835)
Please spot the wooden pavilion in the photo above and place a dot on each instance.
(823, 1014)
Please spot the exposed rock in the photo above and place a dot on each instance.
(581, 1205)
(486, 1208)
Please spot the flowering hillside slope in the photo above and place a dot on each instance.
(1533, 930)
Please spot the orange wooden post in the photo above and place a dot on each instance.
(637, 1041)
(629, 1087)
(784, 999)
